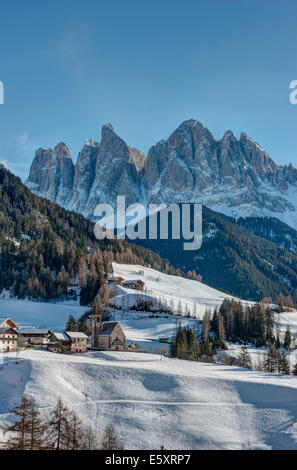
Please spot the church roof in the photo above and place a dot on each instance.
(107, 328)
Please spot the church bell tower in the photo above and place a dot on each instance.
(96, 327)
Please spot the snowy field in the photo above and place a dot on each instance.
(39, 314)
(172, 288)
(152, 402)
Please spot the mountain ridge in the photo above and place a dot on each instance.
(233, 176)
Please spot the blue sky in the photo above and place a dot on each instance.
(70, 66)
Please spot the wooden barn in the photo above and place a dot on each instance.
(136, 284)
(33, 336)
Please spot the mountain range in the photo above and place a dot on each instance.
(233, 176)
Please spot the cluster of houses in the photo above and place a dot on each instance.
(105, 335)
(12, 337)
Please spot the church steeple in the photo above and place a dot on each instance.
(96, 327)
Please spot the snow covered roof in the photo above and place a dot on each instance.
(33, 331)
(133, 281)
(115, 278)
(60, 336)
(76, 334)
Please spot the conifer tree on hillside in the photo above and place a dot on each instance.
(83, 325)
(76, 432)
(244, 358)
(59, 426)
(111, 439)
(287, 340)
(284, 364)
(206, 325)
(91, 441)
(271, 360)
(28, 430)
(71, 324)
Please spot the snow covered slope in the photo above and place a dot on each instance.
(39, 314)
(169, 288)
(178, 404)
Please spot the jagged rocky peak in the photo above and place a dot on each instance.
(233, 176)
(115, 174)
(51, 173)
(61, 150)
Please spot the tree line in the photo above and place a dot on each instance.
(233, 322)
(62, 431)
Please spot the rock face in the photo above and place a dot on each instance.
(115, 173)
(51, 174)
(235, 177)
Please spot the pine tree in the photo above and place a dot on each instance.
(71, 324)
(206, 326)
(59, 426)
(20, 436)
(91, 441)
(76, 432)
(284, 365)
(82, 272)
(37, 428)
(287, 340)
(83, 325)
(111, 440)
(244, 358)
(271, 360)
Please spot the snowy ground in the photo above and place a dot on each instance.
(172, 288)
(152, 402)
(146, 328)
(39, 314)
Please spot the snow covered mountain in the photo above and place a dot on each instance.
(235, 177)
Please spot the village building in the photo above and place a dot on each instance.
(8, 339)
(136, 284)
(32, 336)
(68, 342)
(78, 341)
(58, 343)
(7, 323)
(107, 335)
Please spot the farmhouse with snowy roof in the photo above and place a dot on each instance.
(70, 342)
(8, 339)
(136, 284)
(33, 336)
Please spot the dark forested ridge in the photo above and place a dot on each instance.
(44, 248)
(272, 229)
(234, 260)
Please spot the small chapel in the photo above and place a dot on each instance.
(107, 335)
